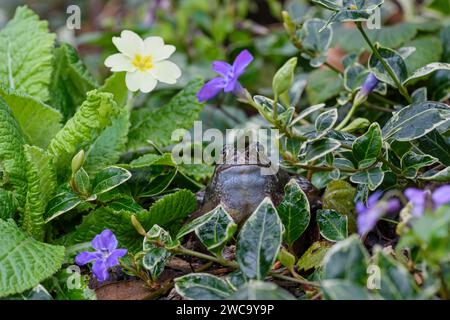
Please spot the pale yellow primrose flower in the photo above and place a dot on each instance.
(145, 61)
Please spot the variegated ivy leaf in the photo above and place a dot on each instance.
(214, 229)
(416, 120)
(317, 149)
(434, 175)
(155, 260)
(412, 162)
(203, 286)
(64, 201)
(109, 178)
(294, 211)
(373, 177)
(259, 241)
(367, 147)
(333, 226)
(307, 112)
(420, 95)
(260, 290)
(396, 63)
(325, 122)
(315, 41)
(285, 115)
(425, 71)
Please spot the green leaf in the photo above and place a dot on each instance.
(434, 145)
(168, 212)
(412, 162)
(8, 204)
(259, 290)
(423, 55)
(315, 41)
(373, 177)
(26, 54)
(158, 124)
(437, 176)
(109, 178)
(83, 128)
(426, 71)
(284, 77)
(287, 259)
(347, 260)
(109, 145)
(115, 84)
(217, 231)
(41, 186)
(155, 260)
(317, 149)
(67, 285)
(294, 211)
(396, 283)
(39, 122)
(259, 241)
(12, 157)
(354, 77)
(416, 120)
(333, 226)
(82, 182)
(368, 146)
(63, 201)
(337, 289)
(339, 196)
(323, 84)
(313, 257)
(394, 60)
(24, 262)
(326, 121)
(70, 81)
(308, 111)
(203, 286)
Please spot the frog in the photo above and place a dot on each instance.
(240, 185)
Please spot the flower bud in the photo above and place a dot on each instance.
(284, 77)
(369, 85)
(78, 161)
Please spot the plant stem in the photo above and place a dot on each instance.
(299, 281)
(347, 118)
(386, 66)
(219, 260)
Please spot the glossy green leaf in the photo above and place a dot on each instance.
(259, 241)
(316, 37)
(368, 146)
(155, 260)
(347, 260)
(434, 145)
(109, 178)
(63, 201)
(333, 226)
(203, 286)
(81, 181)
(416, 120)
(396, 63)
(317, 149)
(412, 162)
(373, 177)
(294, 212)
(425, 71)
(284, 77)
(326, 121)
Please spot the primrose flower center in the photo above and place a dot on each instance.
(142, 63)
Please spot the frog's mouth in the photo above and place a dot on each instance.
(252, 155)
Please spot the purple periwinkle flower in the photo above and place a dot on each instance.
(368, 86)
(368, 215)
(106, 256)
(228, 79)
(425, 199)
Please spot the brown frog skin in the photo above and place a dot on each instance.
(240, 187)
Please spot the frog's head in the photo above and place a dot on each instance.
(252, 154)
